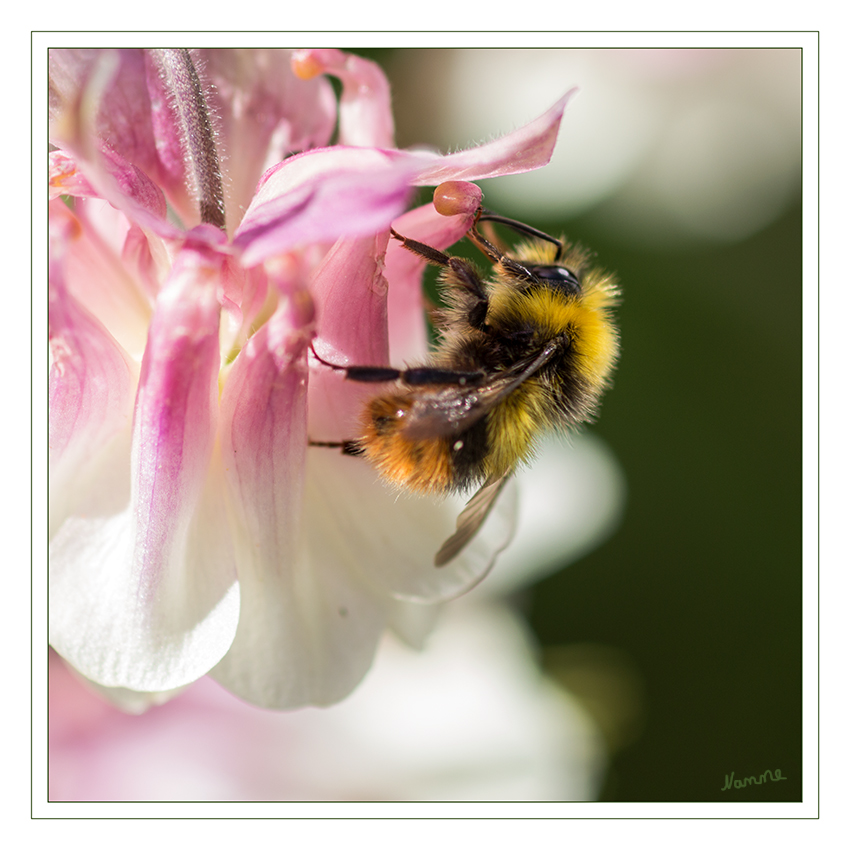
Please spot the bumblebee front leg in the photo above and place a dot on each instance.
(461, 274)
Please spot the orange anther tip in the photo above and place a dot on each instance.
(305, 65)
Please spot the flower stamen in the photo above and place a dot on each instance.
(197, 135)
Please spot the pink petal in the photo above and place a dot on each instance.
(126, 187)
(124, 183)
(365, 112)
(91, 387)
(176, 406)
(114, 98)
(408, 336)
(263, 114)
(146, 598)
(321, 195)
(95, 274)
(307, 631)
(525, 149)
(351, 291)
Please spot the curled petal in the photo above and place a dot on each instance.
(326, 193)
(146, 598)
(525, 149)
(365, 112)
(321, 195)
(263, 114)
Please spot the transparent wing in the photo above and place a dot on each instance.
(449, 411)
(476, 511)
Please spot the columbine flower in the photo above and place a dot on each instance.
(192, 528)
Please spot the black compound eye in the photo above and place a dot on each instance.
(558, 276)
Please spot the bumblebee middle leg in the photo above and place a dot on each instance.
(417, 377)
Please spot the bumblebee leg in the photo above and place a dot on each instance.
(348, 447)
(463, 275)
(430, 376)
(416, 377)
(364, 374)
(492, 252)
(432, 255)
(496, 256)
(466, 275)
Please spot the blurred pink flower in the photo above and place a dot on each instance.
(468, 718)
(191, 529)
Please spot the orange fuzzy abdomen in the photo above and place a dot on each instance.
(423, 465)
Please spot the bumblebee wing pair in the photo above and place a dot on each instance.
(448, 413)
(479, 506)
(449, 404)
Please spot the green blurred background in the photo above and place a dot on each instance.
(682, 633)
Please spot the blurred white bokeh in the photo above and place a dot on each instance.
(668, 145)
(468, 718)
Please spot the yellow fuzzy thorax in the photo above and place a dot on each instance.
(585, 317)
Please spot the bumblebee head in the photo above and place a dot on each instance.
(543, 260)
(558, 277)
(559, 265)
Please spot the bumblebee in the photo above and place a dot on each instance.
(530, 349)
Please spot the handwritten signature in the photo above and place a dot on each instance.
(731, 782)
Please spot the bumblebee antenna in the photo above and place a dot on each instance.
(486, 215)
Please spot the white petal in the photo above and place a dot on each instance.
(390, 539)
(143, 595)
(307, 629)
(103, 623)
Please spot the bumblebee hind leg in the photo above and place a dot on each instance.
(348, 447)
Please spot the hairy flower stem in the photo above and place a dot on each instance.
(190, 109)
